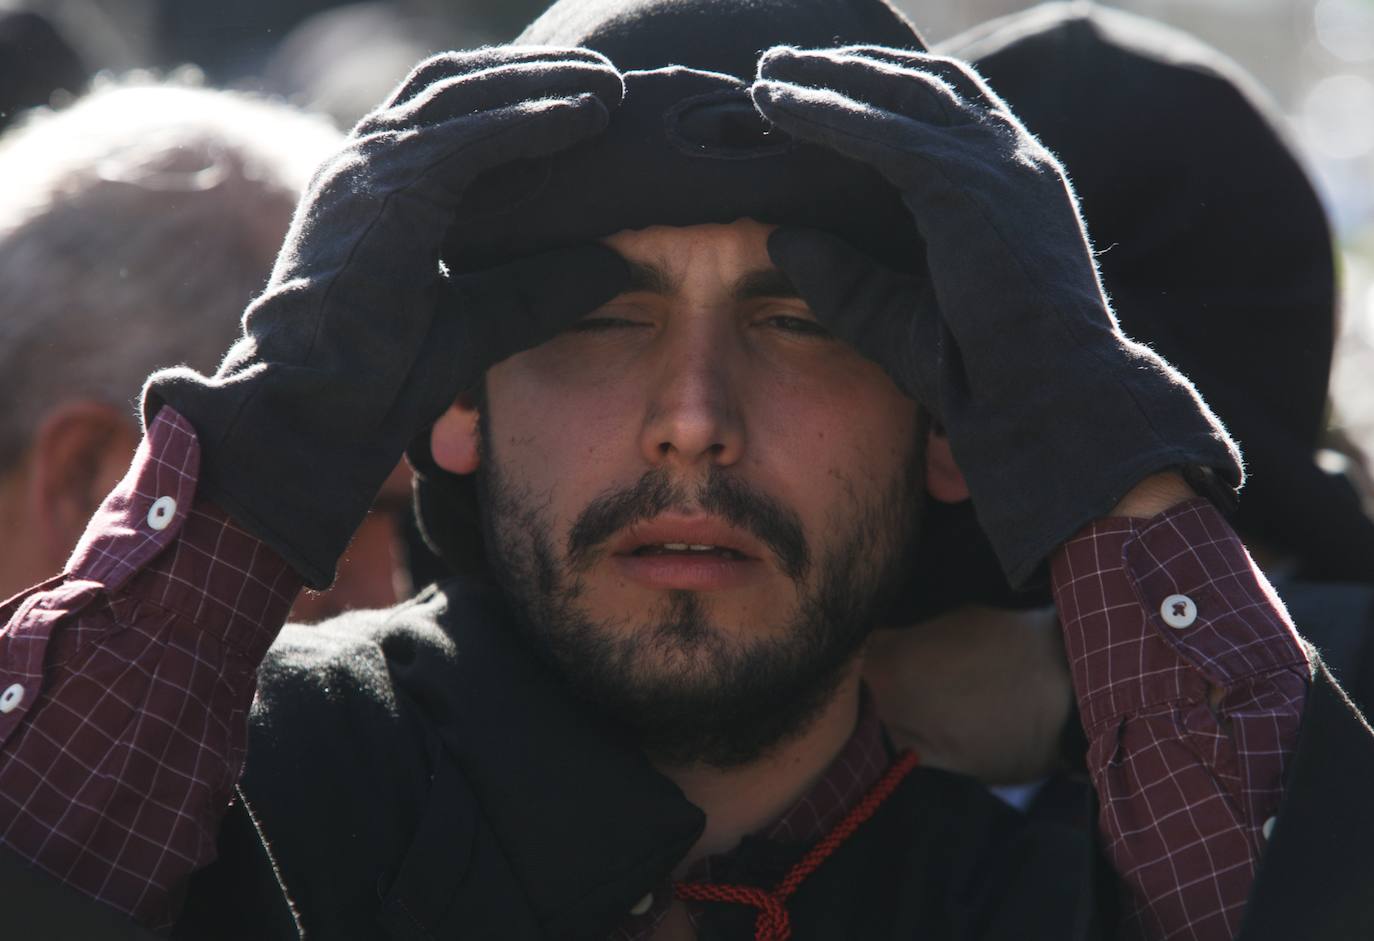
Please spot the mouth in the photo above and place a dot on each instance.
(682, 548)
(687, 553)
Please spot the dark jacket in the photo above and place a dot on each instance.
(417, 776)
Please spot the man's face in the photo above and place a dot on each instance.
(695, 497)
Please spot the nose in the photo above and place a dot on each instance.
(693, 415)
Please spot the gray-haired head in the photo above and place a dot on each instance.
(135, 226)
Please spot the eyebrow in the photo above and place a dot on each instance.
(765, 282)
(650, 279)
(761, 282)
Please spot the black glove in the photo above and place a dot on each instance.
(1053, 415)
(360, 341)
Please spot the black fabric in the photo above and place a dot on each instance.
(352, 350)
(715, 35)
(687, 147)
(35, 905)
(243, 869)
(35, 61)
(417, 776)
(1213, 247)
(941, 859)
(361, 722)
(1319, 861)
(399, 806)
(1338, 619)
(1052, 414)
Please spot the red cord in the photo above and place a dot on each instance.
(773, 923)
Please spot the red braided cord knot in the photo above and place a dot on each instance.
(773, 923)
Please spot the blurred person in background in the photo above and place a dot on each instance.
(238, 44)
(134, 227)
(344, 59)
(1213, 243)
(1216, 251)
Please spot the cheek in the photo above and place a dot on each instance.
(839, 421)
(833, 441)
(567, 432)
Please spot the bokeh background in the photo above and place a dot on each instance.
(1315, 58)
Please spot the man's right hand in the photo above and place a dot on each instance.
(1053, 414)
(360, 340)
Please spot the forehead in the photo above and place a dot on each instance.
(668, 259)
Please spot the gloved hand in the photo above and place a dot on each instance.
(1052, 414)
(359, 340)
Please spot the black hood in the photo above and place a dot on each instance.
(687, 146)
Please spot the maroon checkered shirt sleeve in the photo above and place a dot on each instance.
(1191, 683)
(125, 684)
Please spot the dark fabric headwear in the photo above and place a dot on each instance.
(686, 147)
(35, 61)
(1212, 244)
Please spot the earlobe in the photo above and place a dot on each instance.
(944, 480)
(79, 452)
(454, 441)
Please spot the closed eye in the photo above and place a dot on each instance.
(602, 324)
(799, 325)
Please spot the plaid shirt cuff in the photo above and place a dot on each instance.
(1163, 610)
(1191, 683)
(126, 683)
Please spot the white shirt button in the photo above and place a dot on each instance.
(11, 697)
(1178, 611)
(1268, 829)
(161, 512)
(643, 905)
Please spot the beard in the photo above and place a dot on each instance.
(687, 691)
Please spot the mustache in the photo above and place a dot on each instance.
(722, 495)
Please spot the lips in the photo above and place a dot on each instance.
(687, 554)
(687, 535)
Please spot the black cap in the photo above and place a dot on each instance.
(687, 146)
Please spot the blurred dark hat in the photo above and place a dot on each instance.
(35, 62)
(686, 147)
(1215, 251)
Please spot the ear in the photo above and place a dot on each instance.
(80, 450)
(944, 480)
(454, 441)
